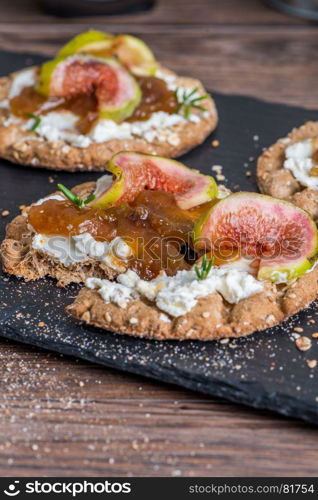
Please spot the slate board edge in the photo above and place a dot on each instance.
(276, 402)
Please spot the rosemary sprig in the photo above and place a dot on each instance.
(37, 120)
(187, 100)
(206, 266)
(75, 199)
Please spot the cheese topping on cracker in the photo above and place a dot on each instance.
(299, 160)
(177, 295)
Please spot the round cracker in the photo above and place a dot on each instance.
(275, 180)
(27, 148)
(212, 317)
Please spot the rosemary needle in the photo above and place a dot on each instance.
(75, 199)
(206, 266)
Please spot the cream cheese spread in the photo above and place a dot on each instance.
(177, 295)
(299, 162)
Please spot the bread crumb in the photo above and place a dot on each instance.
(41, 324)
(298, 329)
(4, 213)
(312, 363)
(224, 341)
(220, 177)
(215, 143)
(248, 173)
(303, 343)
(314, 335)
(217, 168)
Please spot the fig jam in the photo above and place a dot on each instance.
(155, 97)
(153, 225)
(30, 101)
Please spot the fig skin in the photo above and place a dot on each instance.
(135, 55)
(89, 42)
(131, 51)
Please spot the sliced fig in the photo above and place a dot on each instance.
(130, 50)
(134, 172)
(90, 42)
(116, 90)
(135, 55)
(281, 236)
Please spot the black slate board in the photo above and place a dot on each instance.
(264, 370)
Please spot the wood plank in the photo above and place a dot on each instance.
(65, 417)
(227, 59)
(202, 12)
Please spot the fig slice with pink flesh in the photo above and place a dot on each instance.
(116, 90)
(134, 172)
(281, 236)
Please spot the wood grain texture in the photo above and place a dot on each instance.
(61, 416)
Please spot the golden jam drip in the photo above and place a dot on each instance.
(155, 97)
(154, 227)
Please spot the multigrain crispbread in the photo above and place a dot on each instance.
(212, 317)
(28, 148)
(20, 259)
(279, 182)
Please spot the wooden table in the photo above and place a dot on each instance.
(61, 416)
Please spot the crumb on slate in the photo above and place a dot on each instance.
(312, 363)
(303, 343)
